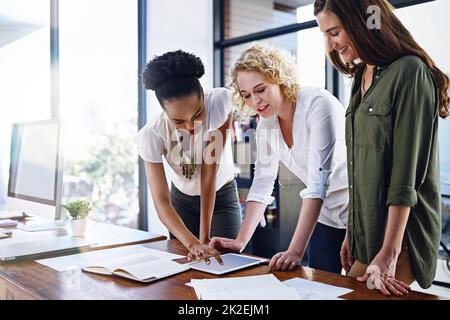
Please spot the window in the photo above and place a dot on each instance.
(24, 69)
(98, 102)
(303, 45)
(433, 38)
(250, 16)
(245, 18)
(255, 16)
(253, 19)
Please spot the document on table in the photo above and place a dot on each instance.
(8, 223)
(313, 290)
(261, 287)
(12, 214)
(81, 260)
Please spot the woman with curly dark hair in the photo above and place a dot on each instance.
(397, 97)
(191, 134)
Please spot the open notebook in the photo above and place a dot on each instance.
(139, 267)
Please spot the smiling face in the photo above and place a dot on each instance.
(336, 38)
(260, 94)
(183, 112)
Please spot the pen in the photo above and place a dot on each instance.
(6, 232)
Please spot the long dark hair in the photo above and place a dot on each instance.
(380, 46)
(174, 74)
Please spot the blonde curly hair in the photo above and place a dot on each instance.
(275, 64)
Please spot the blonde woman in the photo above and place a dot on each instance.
(308, 126)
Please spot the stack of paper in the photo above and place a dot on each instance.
(11, 214)
(5, 233)
(263, 287)
(8, 223)
(312, 290)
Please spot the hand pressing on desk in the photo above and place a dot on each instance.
(287, 260)
(225, 244)
(205, 240)
(346, 255)
(380, 275)
(382, 270)
(200, 251)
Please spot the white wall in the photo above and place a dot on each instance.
(173, 25)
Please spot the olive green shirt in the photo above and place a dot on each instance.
(393, 159)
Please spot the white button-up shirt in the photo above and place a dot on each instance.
(317, 156)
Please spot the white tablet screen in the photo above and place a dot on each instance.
(231, 262)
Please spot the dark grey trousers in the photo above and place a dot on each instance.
(226, 219)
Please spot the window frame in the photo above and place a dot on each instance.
(333, 80)
(142, 99)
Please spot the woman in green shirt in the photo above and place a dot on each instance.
(397, 96)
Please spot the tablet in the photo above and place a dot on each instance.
(231, 262)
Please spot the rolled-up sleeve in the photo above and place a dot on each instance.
(415, 114)
(266, 166)
(322, 125)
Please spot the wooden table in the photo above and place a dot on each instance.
(30, 280)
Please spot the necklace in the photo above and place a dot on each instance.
(187, 164)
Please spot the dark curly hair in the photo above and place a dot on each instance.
(174, 74)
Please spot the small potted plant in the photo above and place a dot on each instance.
(78, 211)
